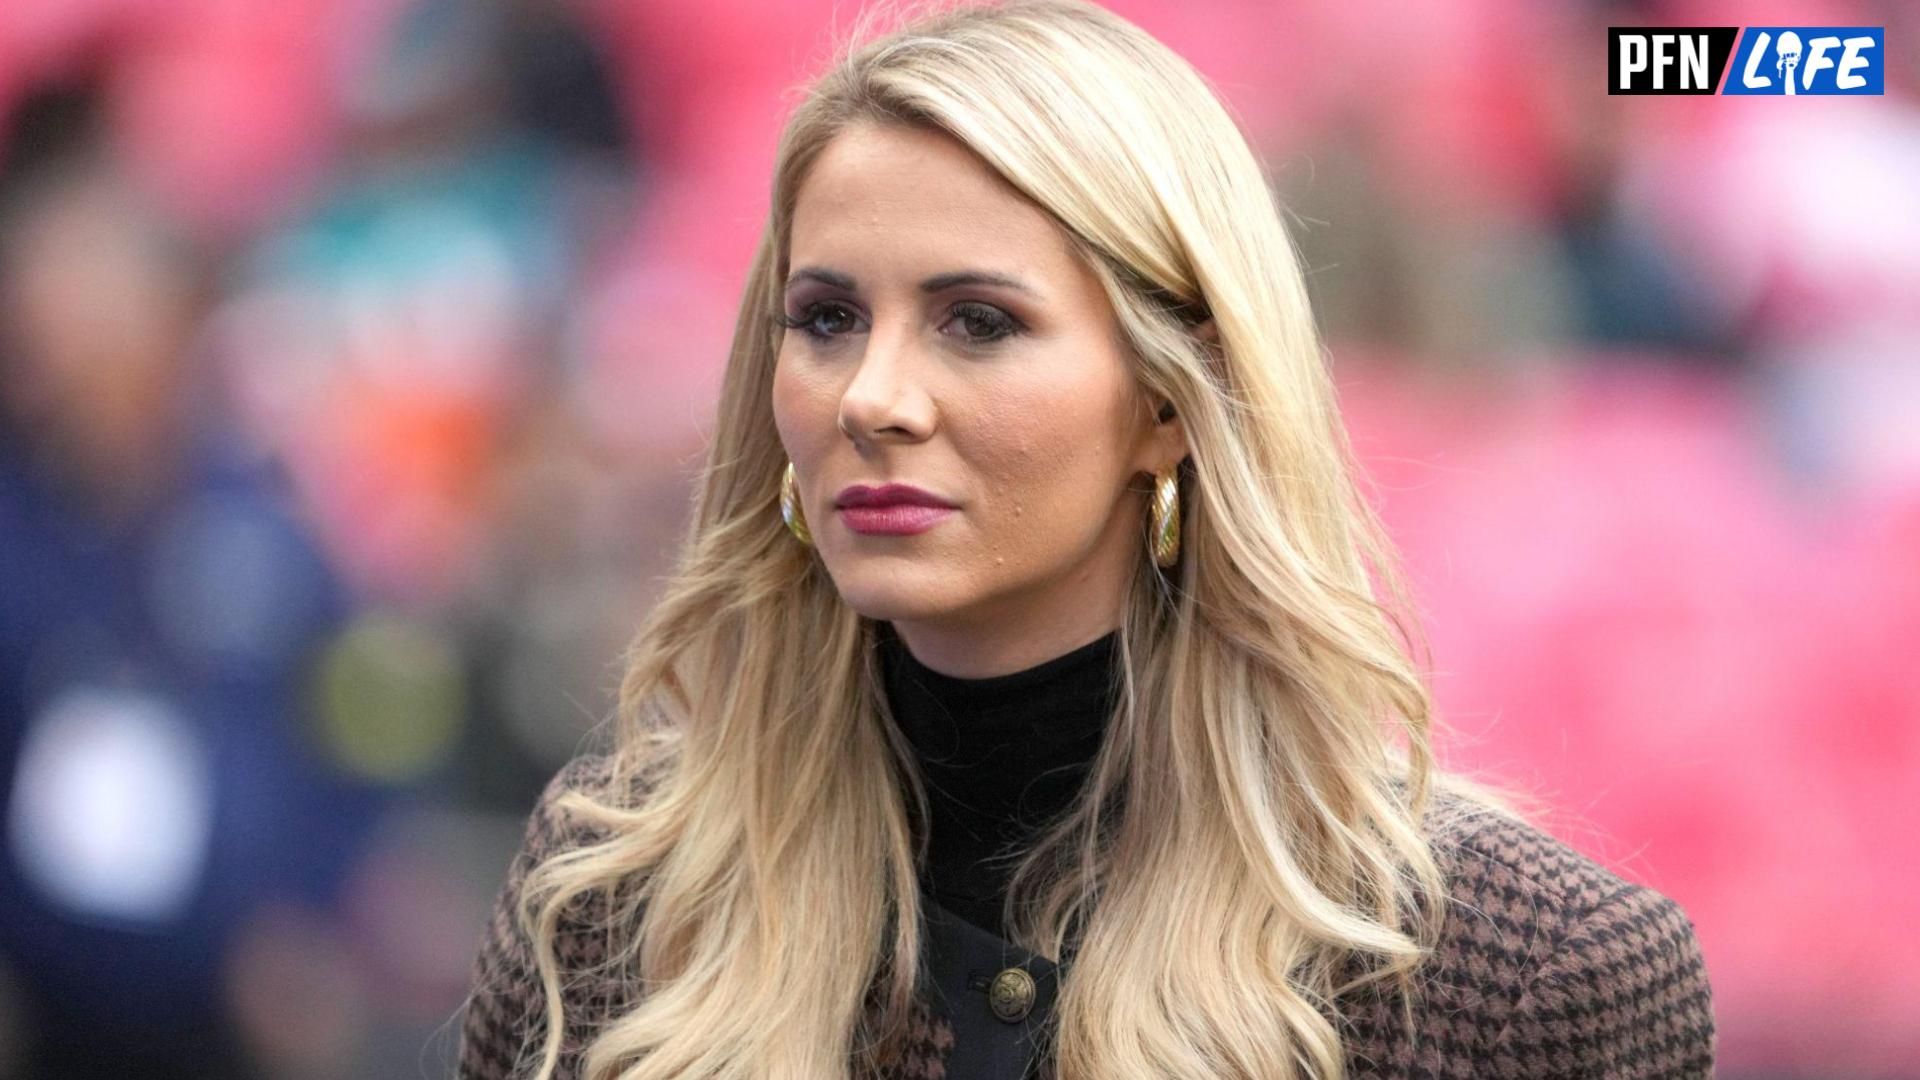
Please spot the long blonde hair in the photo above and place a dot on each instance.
(1252, 842)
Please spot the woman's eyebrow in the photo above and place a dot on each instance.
(942, 282)
(934, 284)
(834, 278)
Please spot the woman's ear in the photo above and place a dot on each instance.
(1166, 440)
(1206, 331)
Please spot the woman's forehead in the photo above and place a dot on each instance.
(915, 200)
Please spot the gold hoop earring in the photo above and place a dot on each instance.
(1164, 538)
(790, 511)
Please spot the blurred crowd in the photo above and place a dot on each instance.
(355, 356)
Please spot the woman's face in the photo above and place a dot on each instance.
(949, 339)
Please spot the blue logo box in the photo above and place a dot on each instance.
(1794, 60)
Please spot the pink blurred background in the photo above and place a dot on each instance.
(355, 355)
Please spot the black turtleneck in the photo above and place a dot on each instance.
(1000, 757)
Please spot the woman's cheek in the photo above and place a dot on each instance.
(798, 408)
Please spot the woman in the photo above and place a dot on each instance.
(1022, 705)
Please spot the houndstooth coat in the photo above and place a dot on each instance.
(1550, 967)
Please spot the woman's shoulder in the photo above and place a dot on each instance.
(505, 1014)
(1557, 960)
(607, 779)
(1506, 860)
(551, 825)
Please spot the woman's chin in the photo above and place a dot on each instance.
(890, 595)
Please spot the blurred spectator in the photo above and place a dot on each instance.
(162, 608)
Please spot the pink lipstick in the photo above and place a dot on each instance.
(891, 509)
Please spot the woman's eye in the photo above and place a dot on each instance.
(821, 321)
(981, 323)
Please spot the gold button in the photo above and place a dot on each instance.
(1011, 995)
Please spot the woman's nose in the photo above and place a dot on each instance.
(886, 396)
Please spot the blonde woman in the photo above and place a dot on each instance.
(1022, 704)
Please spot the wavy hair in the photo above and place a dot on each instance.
(1253, 841)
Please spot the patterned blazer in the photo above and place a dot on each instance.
(1550, 966)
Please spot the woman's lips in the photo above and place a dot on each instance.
(893, 519)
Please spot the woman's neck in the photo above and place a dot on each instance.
(1000, 756)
